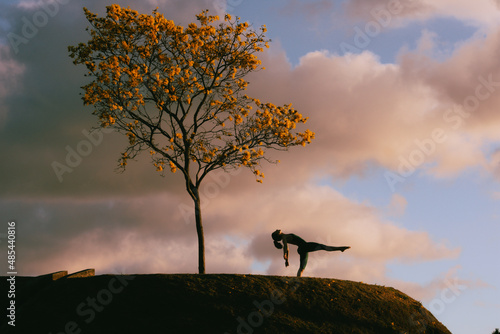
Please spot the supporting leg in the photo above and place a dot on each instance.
(303, 263)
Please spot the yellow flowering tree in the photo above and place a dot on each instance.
(179, 93)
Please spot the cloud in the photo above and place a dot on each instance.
(419, 113)
(149, 233)
(485, 12)
(397, 206)
(487, 305)
(42, 117)
(390, 13)
(311, 9)
(362, 111)
(146, 232)
(323, 215)
(10, 74)
(443, 289)
(495, 167)
(399, 11)
(427, 42)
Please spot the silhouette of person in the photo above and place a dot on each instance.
(304, 248)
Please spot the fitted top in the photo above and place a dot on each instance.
(293, 239)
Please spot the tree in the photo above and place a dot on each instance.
(180, 93)
(497, 331)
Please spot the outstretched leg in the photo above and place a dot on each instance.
(314, 246)
(303, 263)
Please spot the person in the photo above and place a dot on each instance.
(304, 248)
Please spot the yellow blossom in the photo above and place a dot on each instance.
(153, 78)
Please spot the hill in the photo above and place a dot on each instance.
(213, 304)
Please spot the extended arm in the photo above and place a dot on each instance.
(285, 251)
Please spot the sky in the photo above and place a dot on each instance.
(404, 98)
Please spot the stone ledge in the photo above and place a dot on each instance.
(82, 273)
(53, 276)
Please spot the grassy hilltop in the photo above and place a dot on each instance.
(213, 304)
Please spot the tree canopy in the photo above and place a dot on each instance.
(179, 93)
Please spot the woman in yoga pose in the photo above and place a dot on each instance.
(304, 248)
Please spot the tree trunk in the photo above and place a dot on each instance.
(201, 238)
(195, 195)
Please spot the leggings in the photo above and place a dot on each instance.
(305, 248)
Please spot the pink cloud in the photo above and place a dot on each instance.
(148, 234)
(397, 206)
(494, 166)
(398, 11)
(432, 115)
(323, 215)
(441, 290)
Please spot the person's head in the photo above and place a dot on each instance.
(276, 235)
